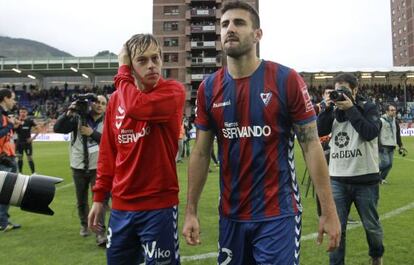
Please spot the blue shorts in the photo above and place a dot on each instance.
(275, 242)
(150, 236)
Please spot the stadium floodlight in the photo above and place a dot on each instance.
(366, 75)
(17, 70)
(410, 75)
(85, 75)
(323, 76)
(31, 77)
(379, 76)
(74, 69)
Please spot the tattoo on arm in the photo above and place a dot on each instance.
(306, 133)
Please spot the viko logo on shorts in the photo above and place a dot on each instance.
(154, 252)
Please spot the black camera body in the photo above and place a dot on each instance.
(338, 94)
(82, 102)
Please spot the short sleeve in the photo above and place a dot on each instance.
(202, 120)
(300, 106)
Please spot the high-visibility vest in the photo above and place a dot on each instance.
(6, 144)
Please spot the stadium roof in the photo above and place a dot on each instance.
(65, 66)
(108, 65)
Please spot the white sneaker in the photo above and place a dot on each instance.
(84, 231)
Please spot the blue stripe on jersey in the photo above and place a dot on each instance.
(307, 120)
(285, 200)
(201, 127)
(258, 146)
(208, 93)
(230, 115)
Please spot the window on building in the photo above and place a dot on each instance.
(171, 57)
(171, 10)
(170, 26)
(170, 42)
(166, 73)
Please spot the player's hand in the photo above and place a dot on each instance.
(344, 104)
(29, 140)
(330, 225)
(86, 130)
(123, 56)
(191, 229)
(96, 216)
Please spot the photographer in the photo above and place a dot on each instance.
(7, 152)
(354, 167)
(86, 128)
(388, 139)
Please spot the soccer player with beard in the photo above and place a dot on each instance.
(137, 159)
(255, 108)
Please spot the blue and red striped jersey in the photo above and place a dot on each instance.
(253, 119)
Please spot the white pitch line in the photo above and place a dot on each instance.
(403, 158)
(64, 186)
(312, 235)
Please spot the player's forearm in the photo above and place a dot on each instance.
(318, 170)
(197, 176)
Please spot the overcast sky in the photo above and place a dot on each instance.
(303, 34)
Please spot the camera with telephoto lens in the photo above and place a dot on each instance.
(82, 102)
(31, 193)
(338, 94)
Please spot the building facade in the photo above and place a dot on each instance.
(402, 20)
(189, 32)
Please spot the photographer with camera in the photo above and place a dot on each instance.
(85, 127)
(7, 151)
(354, 166)
(388, 139)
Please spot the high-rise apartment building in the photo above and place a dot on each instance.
(402, 20)
(189, 32)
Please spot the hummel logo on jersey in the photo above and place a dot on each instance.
(266, 97)
(119, 117)
(222, 104)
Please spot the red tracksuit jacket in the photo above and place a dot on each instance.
(138, 146)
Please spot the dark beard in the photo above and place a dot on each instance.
(237, 53)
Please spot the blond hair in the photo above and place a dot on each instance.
(139, 43)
